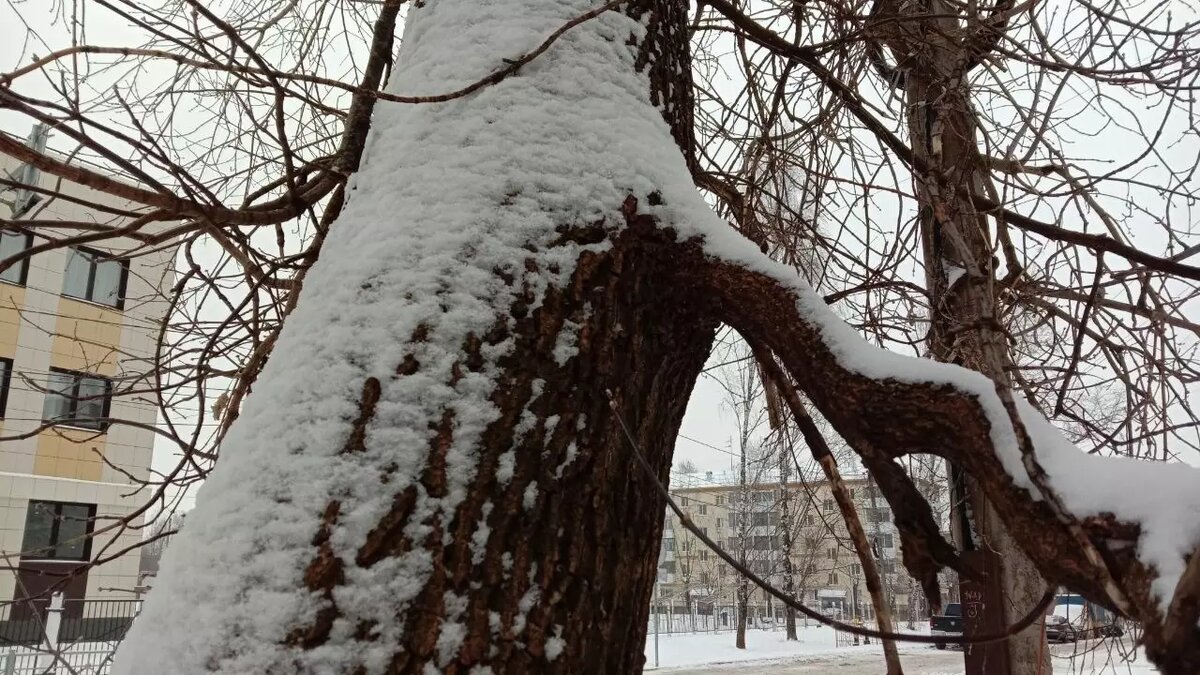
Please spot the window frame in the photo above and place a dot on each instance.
(5, 385)
(96, 257)
(101, 425)
(24, 264)
(55, 542)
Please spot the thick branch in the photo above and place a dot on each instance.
(893, 406)
(841, 494)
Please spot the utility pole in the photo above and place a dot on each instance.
(656, 607)
(28, 174)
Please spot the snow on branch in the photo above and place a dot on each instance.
(888, 405)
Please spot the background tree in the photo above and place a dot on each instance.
(744, 397)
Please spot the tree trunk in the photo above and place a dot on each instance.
(959, 271)
(743, 603)
(443, 481)
(743, 586)
(785, 532)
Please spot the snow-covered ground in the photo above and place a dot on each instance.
(817, 651)
(689, 649)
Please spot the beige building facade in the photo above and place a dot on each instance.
(748, 523)
(78, 330)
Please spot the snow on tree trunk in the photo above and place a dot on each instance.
(428, 476)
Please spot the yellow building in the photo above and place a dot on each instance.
(78, 329)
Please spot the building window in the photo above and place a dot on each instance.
(809, 520)
(720, 500)
(668, 544)
(12, 243)
(879, 515)
(718, 523)
(833, 578)
(704, 531)
(703, 509)
(5, 376)
(58, 531)
(831, 553)
(704, 554)
(77, 399)
(759, 519)
(683, 501)
(95, 277)
(828, 505)
(885, 540)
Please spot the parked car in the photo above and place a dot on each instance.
(1072, 617)
(948, 623)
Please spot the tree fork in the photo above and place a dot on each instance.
(884, 419)
(536, 551)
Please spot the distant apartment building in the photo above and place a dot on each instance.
(747, 521)
(78, 329)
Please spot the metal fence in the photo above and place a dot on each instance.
(668, 618)
(63, 637)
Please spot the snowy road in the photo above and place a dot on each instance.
(1085, 658)
(915, 663)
